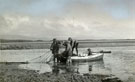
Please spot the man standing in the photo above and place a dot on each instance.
(74, 44)
(55, 49)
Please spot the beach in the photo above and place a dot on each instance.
(10, 73)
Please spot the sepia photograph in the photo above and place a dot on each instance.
(67, 40)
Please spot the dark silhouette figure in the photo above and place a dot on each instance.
(89, 52)
(55, 49)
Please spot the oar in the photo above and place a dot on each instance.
(102, 52)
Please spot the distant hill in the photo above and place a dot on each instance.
(20, 38)
(16, 37)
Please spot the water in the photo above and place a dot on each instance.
(121, 62)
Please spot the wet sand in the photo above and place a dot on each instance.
(11, 73)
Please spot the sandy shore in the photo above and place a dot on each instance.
(10, 73)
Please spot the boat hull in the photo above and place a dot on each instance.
(94, 57)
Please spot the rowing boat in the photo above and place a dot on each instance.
(93, 57)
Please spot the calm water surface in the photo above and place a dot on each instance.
(121, 62)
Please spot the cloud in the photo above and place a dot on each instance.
(63, 27)
(78, 19)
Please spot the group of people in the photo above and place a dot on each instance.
(69, 46)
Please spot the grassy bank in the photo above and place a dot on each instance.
(10, 73)
(45, 45)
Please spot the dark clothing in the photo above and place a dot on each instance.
(74, 45)
(89, 52)
(68, 51)
(55, 49)
(63, 57)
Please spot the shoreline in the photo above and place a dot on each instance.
(7, 48)
(11, 73)
(44, 45)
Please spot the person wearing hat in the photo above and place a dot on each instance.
(55, 49)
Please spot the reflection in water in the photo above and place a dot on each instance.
(86, 67)
(64, 69)
(55, 69)
(90, 67)
(39, 67)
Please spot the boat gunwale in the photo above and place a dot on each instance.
(88, 58)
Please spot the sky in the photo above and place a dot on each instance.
(80, 19)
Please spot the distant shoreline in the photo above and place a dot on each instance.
(82, 44)
(83, 40)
